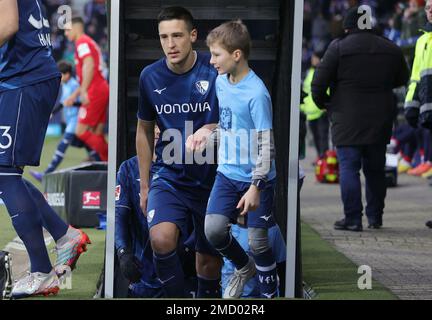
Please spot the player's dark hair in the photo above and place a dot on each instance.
(64, 66)
(78, 20)
(176, 13)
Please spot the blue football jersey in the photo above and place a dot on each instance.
(180, 104)
(137, 236)
(26, 58)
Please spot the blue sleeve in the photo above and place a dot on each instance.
(260, 108)
(277, 244)
(145, 109)
(214, 117)
(122, 210)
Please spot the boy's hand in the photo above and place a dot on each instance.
(198, 140)
(69, 102)
(250, 201)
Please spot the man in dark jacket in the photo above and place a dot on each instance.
(361, 70)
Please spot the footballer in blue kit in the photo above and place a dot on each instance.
(178, 94)
(132, 239)
(29, 85)
(245, 180)
(131, 235)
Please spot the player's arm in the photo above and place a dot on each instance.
(145, 148)
(199, 139)
(70, 101)
(9, 20)
(128, 263)
(87, 77)
(122, 211)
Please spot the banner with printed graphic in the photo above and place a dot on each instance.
(78, 194)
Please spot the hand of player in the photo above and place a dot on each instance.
(130, 266)
(143, 199)
(84, 97)
(69, 102)
(250, 200)
(198, 141)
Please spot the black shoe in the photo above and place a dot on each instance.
(342, 225)
(429, 224)
(374, 225)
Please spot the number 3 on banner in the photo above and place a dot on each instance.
(6, 135)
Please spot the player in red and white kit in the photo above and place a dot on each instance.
(93, 91)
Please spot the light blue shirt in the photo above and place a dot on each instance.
(245, 109)
(70, 114)
(277, 244)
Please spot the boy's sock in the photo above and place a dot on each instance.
(267, 273)
(208, 288)
(25, 218)
(170, 273)
(234, 252)
(59, 153)
(50, 219)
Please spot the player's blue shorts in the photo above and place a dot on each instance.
(169, 203)
(226, 194)
(24, 116)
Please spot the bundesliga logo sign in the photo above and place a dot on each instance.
(91, 200)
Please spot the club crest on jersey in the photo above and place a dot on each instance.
(202, 86)
(226, 118)
(150, 215)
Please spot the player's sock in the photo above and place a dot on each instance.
(97, 143)
(267, 274)
(51, 220)
(92, 154)
(25, 218)
(208, 288)
(59, 153)
(170, 273)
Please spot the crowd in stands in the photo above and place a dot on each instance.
(95, 18)
(401, 22)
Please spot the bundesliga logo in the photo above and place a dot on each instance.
(91, 200)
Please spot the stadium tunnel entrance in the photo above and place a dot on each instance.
(275, 27)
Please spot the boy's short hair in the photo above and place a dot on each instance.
(176, 13)
(231, 35)
(64, 66)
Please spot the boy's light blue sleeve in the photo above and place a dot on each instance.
(260, 108)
